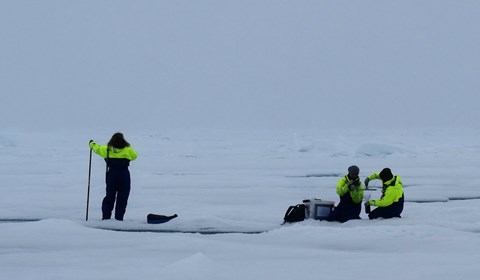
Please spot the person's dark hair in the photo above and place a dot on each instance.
(117, 141)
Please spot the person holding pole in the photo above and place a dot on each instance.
(390, 205)
(117, 154)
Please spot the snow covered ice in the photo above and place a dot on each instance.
(238, 109)
(239, 180)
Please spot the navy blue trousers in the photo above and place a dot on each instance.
(117, 192)
(346, 210)
(392, 211)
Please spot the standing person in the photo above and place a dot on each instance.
(391, 203)
(350, 190)
(117, 154)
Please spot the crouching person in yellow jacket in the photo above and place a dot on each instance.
(390, 205)
(350, 190)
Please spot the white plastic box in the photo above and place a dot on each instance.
(318, 209)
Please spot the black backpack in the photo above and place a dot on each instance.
(295, 214)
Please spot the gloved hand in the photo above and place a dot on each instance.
(371, 202)
(368, 210)
(366, 182)
(353, 184)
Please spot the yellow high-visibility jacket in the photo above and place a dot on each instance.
(127, 153)
(342, 189)
(392, 191)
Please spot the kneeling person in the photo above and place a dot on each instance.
(390, 205)
(350, 190)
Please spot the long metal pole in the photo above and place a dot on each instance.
(88, 188)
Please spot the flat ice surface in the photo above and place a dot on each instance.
(239, 181)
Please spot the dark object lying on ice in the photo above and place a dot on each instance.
(296, 213)
(159, 219)
(314, 208)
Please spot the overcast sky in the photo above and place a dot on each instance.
(239, 64)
